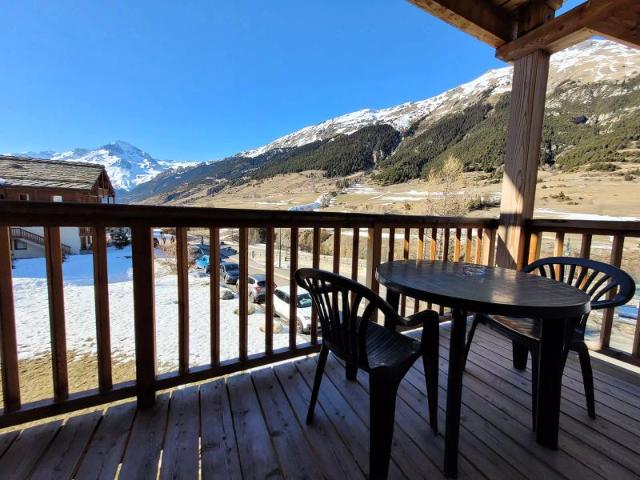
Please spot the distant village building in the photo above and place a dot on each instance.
(36, 180)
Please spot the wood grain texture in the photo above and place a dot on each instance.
(8, 340)
(524, 134)
(481, 18)
(53, 258)
(607, 317)
(182, 264)
(144, 314)
(101, 297)
(571, 28)
(268, 301)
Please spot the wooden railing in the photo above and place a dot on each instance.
(607, 241)
(360, 242)
(370, 239)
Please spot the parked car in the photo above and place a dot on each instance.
(202, 262)
(229, 272)
(281, 302)
(257, 285)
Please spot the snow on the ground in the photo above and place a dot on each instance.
(32, 312)
(547, 212)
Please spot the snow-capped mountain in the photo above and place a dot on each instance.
(589, 61)
(127, 165)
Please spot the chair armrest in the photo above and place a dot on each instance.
(419, 318)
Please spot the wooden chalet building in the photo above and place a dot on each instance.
(36, 180)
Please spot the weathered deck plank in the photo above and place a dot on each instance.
(105, 451)
(253, 425)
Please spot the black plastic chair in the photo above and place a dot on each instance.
(608, 287)
(347, 312)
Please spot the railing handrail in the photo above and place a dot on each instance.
(91, 215)
(630, 228)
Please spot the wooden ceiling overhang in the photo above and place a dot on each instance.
(503, 24)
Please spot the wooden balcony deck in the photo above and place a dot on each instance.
(251, 425)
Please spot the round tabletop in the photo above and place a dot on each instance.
(479, 289)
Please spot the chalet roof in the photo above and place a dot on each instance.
(39, 173)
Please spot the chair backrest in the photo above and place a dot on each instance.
(608, 286)
(338, 301)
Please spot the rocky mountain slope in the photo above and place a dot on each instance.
(591, 118)
(127, 165)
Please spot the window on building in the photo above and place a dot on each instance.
(19, 245)
(56, 198)
(24, 197)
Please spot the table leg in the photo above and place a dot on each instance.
(550, 366)
(393, 298)
(454, 391)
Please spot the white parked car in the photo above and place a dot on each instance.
(281, 302)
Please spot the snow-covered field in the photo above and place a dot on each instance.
(32, 312)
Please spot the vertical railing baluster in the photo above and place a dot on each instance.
(243, 292)
(293, 289)
(374, 254)
(182, 267)
(101, 296)
(268, 301)
(214, 294)
(479, 240)
(558, 251)
(355, 254)
(585, 246)
(315, 262)
(468, 246)
(433, 252)
(392, 244)
(8, 340)
(635, 350)
(488, 247)
(534, 247)
(445, 244)
(457, 245)
(607, 316)
(53, 255)
(405, 256)
(336, 250)
(419, 256)
(144, 307)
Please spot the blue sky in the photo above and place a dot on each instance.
(201, 79)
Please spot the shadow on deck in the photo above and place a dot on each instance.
(251, 425)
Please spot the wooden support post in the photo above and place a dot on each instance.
(101, 295)
(144, 307)
(315, 263)
(8, 342)
(337, 258)
(524, 134)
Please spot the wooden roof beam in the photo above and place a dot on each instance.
(576, 25)
(622, 25)
(479, 18)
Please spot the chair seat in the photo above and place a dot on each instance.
(388, 348)
(527, 327)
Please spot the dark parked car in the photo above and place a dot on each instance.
(229, 272)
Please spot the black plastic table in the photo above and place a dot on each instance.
(468, 288)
